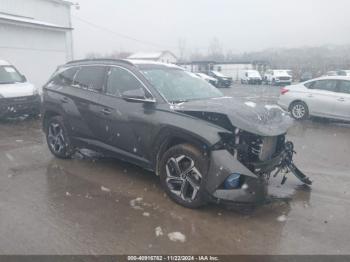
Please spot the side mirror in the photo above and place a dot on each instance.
(137, 96)
(24, 78)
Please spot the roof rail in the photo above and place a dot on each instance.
(100, 60)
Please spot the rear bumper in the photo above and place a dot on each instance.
(20, 105)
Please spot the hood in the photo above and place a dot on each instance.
(17, 90)
(229, 112)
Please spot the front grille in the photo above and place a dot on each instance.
(20, 100)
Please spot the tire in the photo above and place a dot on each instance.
(57, 138)
(183, 172)
(299, 110)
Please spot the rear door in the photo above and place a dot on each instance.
(321, 97)
(342, 103)
(86, 92)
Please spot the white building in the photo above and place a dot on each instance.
(164, 57)
(233, 69)
(36, 36)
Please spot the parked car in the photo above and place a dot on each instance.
(223, 81)
(343, 73)
(17, 95)
(250, 77)
(331, 73)
(278, 77)
(204, 146)
(327, 97)
(207, 78)
(305, 76)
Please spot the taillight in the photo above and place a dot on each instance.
(284, 90)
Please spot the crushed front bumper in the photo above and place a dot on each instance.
(253, 187)
(20, 105)
(222, 165)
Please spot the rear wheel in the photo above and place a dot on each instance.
(57, 138)
(183, 171)
(299, 110)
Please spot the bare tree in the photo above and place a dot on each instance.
(182, 46)
(215, 50)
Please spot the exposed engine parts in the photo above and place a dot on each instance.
(263, 155)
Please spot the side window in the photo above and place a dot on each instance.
(327, 85)
(121, 80)
(344, 87)
(90, 78)
(65, 78)
(309, 84)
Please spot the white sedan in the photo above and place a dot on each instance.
(327, 97)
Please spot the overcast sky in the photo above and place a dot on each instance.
(241, 25)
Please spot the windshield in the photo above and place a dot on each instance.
(218, 74)
(9, 75)
(177, 85)
(253, 73)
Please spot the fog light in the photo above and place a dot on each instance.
(232, 181)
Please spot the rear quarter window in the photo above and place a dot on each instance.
(90, 78)
(64, 78)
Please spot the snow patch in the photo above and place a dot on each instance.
(146, 214)
(282, 218)
(244, 186)
(158, 231)
(105, 189)
(177, 236)
(250, 103)
(135, 203)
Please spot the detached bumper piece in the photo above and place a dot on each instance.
(20, 105)
(288, 166)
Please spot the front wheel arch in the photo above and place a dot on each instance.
(171, 141)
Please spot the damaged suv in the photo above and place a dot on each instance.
(204, 146)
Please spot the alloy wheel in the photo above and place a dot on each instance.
(56, 138)
(183, 178)
(298, 111)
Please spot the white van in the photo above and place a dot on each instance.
(17, 95)
(278, 77)
(250, 77)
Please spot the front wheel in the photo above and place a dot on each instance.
(183, 171)
(299, 110)
(57, 138)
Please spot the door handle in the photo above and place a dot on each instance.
(341, 99)
(310, 95)
(64, 99)
(106, 111)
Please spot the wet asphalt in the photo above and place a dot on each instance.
(92, 205)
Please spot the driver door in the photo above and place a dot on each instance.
(125, 126)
